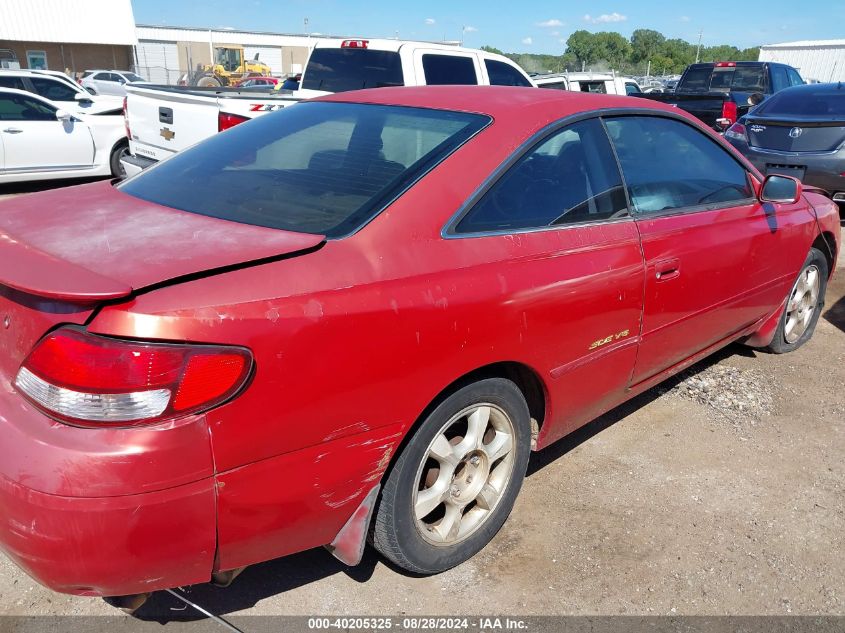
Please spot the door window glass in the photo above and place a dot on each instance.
(448, 70)
(668, 165)
(568, 178)
(52, 89)
(779, 78)
(22, 108)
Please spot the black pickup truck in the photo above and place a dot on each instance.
(719, 93)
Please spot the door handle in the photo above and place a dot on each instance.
(13, 130)
(667, 269)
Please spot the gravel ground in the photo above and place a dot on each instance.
(721, 492)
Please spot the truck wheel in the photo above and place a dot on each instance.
(118, 151)
(455, 482)
(209, 81)
(803, 305)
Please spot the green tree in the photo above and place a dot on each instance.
(613, 48)
(582, 45)
(492, 49)
(645, 44)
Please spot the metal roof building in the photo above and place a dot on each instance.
(58, 34)
(819, 60)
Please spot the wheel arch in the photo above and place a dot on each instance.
(826, 243)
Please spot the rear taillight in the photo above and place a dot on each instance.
(729, 113)
(91, 380)
(725, 64)
(126, 120)
(737, 132)
(226, 120)
(355, 43)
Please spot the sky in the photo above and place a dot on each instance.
(537, 26)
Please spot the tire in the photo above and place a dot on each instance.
(463, 467)
(209, 81)
(804, 305)
(119, 150)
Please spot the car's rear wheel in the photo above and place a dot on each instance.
(455, 482)
(118, 151)
(803, 305)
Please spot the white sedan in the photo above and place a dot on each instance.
(40, 141)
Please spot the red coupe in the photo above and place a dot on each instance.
(354, 319)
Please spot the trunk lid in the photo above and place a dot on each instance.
(790, 135)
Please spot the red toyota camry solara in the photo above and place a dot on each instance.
(352, 320)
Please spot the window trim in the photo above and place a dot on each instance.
(447, 232)
(696, 208)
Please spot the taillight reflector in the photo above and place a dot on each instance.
(737, 132)
(729, 112)
(226, 120)
(92, 380)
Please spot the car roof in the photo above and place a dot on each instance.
(816, 88)
(535, 106)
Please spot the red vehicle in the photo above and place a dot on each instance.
(360, 315)
(257, 82)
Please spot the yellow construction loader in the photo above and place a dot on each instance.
(229, 68)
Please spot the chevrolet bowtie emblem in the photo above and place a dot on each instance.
(167, 134)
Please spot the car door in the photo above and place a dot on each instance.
(57, 91)
(436, 67)
(34, 140)
(569, 264)
(712, 252)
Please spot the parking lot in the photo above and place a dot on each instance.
(721, 493)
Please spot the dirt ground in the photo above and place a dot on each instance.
(723, 493)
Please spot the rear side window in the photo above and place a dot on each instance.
(669, 165)
(598, 87)
(53, 90)
(448, 70)
(779, 78)
(502, 74)
(568, 178)
(22, 108)
(321, 168)
(12, 82)
(343, 69)
(631, 88)
(794, 77)
(557, 85)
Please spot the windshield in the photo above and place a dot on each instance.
(810, 103)
(321, 168)
(342, 69)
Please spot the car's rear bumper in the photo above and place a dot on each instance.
(823, 169)
(106, 511)
(133, 164)
(107, 546)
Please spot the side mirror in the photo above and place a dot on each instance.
(63, 115)
(780, 189)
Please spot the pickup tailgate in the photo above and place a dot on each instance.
(707, 107)
(163, 121)
(63, 252)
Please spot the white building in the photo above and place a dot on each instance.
(64, 35)
(164, 53)
(818, 60)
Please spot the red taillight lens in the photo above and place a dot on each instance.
(93, 380)
(355, 43)
(126, 120)
(729, 111)
(725, 64)
(737, 132)
(226, 120)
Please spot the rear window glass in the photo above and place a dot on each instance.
(724, 79)
(502, 74)
(805, 103)
(342, 69)
(449, 70)
(322, 168)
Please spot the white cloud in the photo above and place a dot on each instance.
(605, 18)
(550, 23)
(527, 40)
(430, 21)
(684, 18)
(470, 29)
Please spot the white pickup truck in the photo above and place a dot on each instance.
(161, 120)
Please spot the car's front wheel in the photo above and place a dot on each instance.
(455, 482)
(803, 305)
